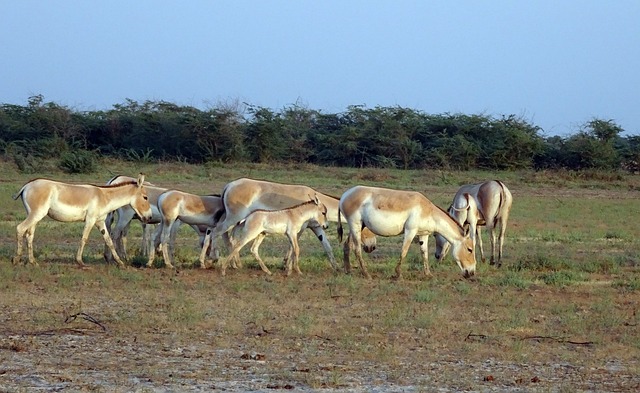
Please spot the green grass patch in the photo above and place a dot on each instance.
(562, 278)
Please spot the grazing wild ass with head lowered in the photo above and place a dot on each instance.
(388, 212)
(242, 196)
(201, 212)
(289, 221)
(77, 202)
(489, 204)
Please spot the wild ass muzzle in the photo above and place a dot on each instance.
(290, 222)
(77, 202)
(388, 212)
(482, 204)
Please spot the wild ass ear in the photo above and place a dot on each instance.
(314, 199)
(140, 179)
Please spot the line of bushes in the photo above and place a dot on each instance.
(392, 137)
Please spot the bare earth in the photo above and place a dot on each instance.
(148, 340)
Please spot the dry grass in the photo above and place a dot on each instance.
(560, 315)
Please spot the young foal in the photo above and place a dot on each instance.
(290, 222)
(77, 202)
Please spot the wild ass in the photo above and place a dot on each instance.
(201, 212)
(289, 221)
(123, 217)
(77, 202)
(388, 212)
(126, 214)
(489, 204)
(242, 196)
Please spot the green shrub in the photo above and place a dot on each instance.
(78, 161)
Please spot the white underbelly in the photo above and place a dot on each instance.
(384, 223)
(67, 215)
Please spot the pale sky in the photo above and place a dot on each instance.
(557, 64)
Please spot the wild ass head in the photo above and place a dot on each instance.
(461, 210)
(321, 213)
(140, 201)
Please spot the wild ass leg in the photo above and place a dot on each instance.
(346, 251)
(424, 249)
(287, 258)
(108, 257)
(296, 254)
(246, 236)
(146, 239)
(322, 236)
(406, 243)
(346, 254)
(30, 235)
(293, 244)
(289, 254)
(503, 229)
(479, 241)
(205, 246)
(236, 262)
(208, 248)
(120, 232)
(355, 242)
(165, 237)
(25, 232)
(255, 247)
(107, 240)
(494, 242)
(20, 235)
(155, 246)
(16, 258)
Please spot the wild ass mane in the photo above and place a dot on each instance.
(283, 209)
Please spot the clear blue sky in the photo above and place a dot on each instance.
(558, 64)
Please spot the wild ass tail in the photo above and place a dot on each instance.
(340, 232)
(19, 193)
(502, 197)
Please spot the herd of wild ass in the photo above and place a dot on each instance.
(248, 210)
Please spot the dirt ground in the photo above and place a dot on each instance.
(125, 342)
(63, 329)
(91, 361)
